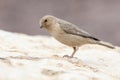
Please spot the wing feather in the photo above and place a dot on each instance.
(74, 30)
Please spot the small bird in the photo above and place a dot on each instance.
(68, 33)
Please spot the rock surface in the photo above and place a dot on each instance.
(24, 57)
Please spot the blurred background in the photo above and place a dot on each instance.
(101, 18)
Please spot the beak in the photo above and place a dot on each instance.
(41, 26)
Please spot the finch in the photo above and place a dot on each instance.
(68, 33)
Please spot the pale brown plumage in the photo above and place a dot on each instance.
(68, 33)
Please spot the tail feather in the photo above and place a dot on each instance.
(106, 44)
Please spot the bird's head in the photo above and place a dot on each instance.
(47, 21)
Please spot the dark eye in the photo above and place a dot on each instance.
(45, 20)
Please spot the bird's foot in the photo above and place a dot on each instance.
(67, 56)
(72, 59)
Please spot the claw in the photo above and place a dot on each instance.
(67, 56)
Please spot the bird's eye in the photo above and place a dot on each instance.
(45, 20)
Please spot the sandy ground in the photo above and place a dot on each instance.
(24, 57)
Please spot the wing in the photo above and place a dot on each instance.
(74, 30)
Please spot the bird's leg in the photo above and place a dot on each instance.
(74, 51)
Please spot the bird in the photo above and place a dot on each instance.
(69, 34)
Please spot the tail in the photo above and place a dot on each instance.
(106, 44)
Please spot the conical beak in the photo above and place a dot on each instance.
(41, 26)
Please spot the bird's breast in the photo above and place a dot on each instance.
(68, 39)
